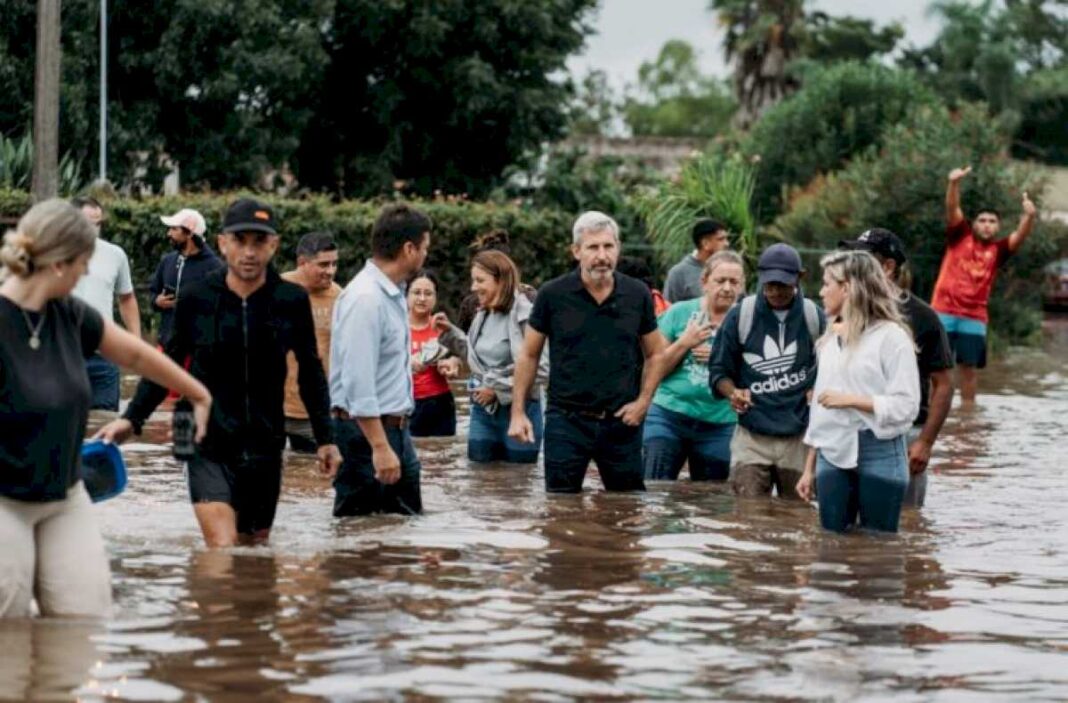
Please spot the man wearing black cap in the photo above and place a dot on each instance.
(237, 325)
(932, 356)
(684, 279)
(764, 362)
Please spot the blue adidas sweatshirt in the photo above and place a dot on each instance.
(777, 363)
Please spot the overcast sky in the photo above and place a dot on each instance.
(631, 31)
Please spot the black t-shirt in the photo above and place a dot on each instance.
(44, 397)
(595, 355)
(933, 353)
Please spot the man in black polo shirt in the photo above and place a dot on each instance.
(932, 356)
(602, 332)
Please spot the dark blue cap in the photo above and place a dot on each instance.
(780, 263)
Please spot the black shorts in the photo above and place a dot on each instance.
(251, 486)
(434, 416)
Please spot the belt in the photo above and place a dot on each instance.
(396, 422)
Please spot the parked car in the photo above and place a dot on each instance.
(1055, 288)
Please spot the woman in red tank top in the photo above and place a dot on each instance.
(432, 365)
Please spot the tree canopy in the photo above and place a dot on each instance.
(352, 95)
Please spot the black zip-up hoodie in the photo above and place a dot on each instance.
(179, 272)
(777, 363)
(238, 350)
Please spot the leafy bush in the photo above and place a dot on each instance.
(840, 111)
(708, 186)
(901, 186)
(539, 238)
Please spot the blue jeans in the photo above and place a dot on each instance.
(104, 383)
(488, 439)
(671, 439)
(357, 491)
(573, 438)
(873, 491)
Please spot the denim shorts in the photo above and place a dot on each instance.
(671, 439)
(488, 439)
(573, 439)
(872, 492)
(967, 339)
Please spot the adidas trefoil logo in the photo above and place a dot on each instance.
(775, 360)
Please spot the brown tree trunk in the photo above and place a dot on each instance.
(46, 101)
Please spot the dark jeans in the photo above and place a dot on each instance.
(872, 492)
(488, 440)
(671, 439)
(104, 383)
(573, 439)
(434, 416)
(357, 491)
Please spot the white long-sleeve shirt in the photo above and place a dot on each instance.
(881, 365)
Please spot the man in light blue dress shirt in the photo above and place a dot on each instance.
(370, 372)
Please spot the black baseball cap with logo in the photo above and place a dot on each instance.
(249, 215)
(878, 241)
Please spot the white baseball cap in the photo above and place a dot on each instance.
(190, 219)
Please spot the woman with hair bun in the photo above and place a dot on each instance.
(52, 547)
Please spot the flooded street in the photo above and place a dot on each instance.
(683, 592)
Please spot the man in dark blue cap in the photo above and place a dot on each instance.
(764, 362)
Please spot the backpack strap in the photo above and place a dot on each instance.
(746, 311)
(812, 319)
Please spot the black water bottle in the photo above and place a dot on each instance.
(183, 430)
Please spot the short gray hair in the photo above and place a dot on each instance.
(593, 221)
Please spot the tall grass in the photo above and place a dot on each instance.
(709, 185)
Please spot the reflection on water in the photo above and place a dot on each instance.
(683, 592)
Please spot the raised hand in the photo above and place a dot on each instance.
(958, 173)
(1028, 206)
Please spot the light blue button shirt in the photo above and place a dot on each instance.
(370, 361)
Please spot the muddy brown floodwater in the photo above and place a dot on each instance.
(684, 592)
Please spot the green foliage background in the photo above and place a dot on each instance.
(539, 237)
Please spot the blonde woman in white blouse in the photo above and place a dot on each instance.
(867, 394)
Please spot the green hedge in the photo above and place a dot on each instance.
(539, 237)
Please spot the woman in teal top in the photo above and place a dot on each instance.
(685, 423)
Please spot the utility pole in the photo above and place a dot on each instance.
(103, 90)
(46, 101)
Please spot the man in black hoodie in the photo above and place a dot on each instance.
(764, 362)
(191, 260)
(237, 325)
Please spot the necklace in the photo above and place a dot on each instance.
(35, 330)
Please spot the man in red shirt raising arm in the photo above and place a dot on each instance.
(973, 255)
